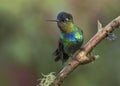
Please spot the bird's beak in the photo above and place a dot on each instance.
(53, 20)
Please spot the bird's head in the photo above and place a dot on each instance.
(64, 17)
(64, 21)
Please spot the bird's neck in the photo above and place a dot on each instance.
(67, 27)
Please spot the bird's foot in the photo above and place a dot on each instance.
(111, 36)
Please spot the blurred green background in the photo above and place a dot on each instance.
(27, 41)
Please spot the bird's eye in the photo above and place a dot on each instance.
(67, 19)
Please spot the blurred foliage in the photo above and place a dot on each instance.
(47, 80)
(27, 41)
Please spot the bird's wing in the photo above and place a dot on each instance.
(59, 53)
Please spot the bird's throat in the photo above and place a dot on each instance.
(66, 27)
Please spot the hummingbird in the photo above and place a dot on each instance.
(70, 39)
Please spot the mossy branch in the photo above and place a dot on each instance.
(82, 57)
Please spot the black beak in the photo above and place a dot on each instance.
(53, 20)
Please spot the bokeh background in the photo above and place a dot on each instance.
(27, 41)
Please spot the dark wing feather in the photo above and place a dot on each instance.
(60, 54)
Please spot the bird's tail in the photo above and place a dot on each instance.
(60, 55)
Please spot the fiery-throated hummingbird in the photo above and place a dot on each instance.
(71, 37)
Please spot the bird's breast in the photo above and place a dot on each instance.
(71, 42)
(72, 37)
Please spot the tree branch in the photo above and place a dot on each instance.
(82, 57)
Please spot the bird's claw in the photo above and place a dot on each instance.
(111, 36)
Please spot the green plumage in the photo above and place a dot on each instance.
(71, 41)
(71, 37)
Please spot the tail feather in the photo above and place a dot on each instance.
(65, 57)
(57, 58)
(60, 55)
(57, 54)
